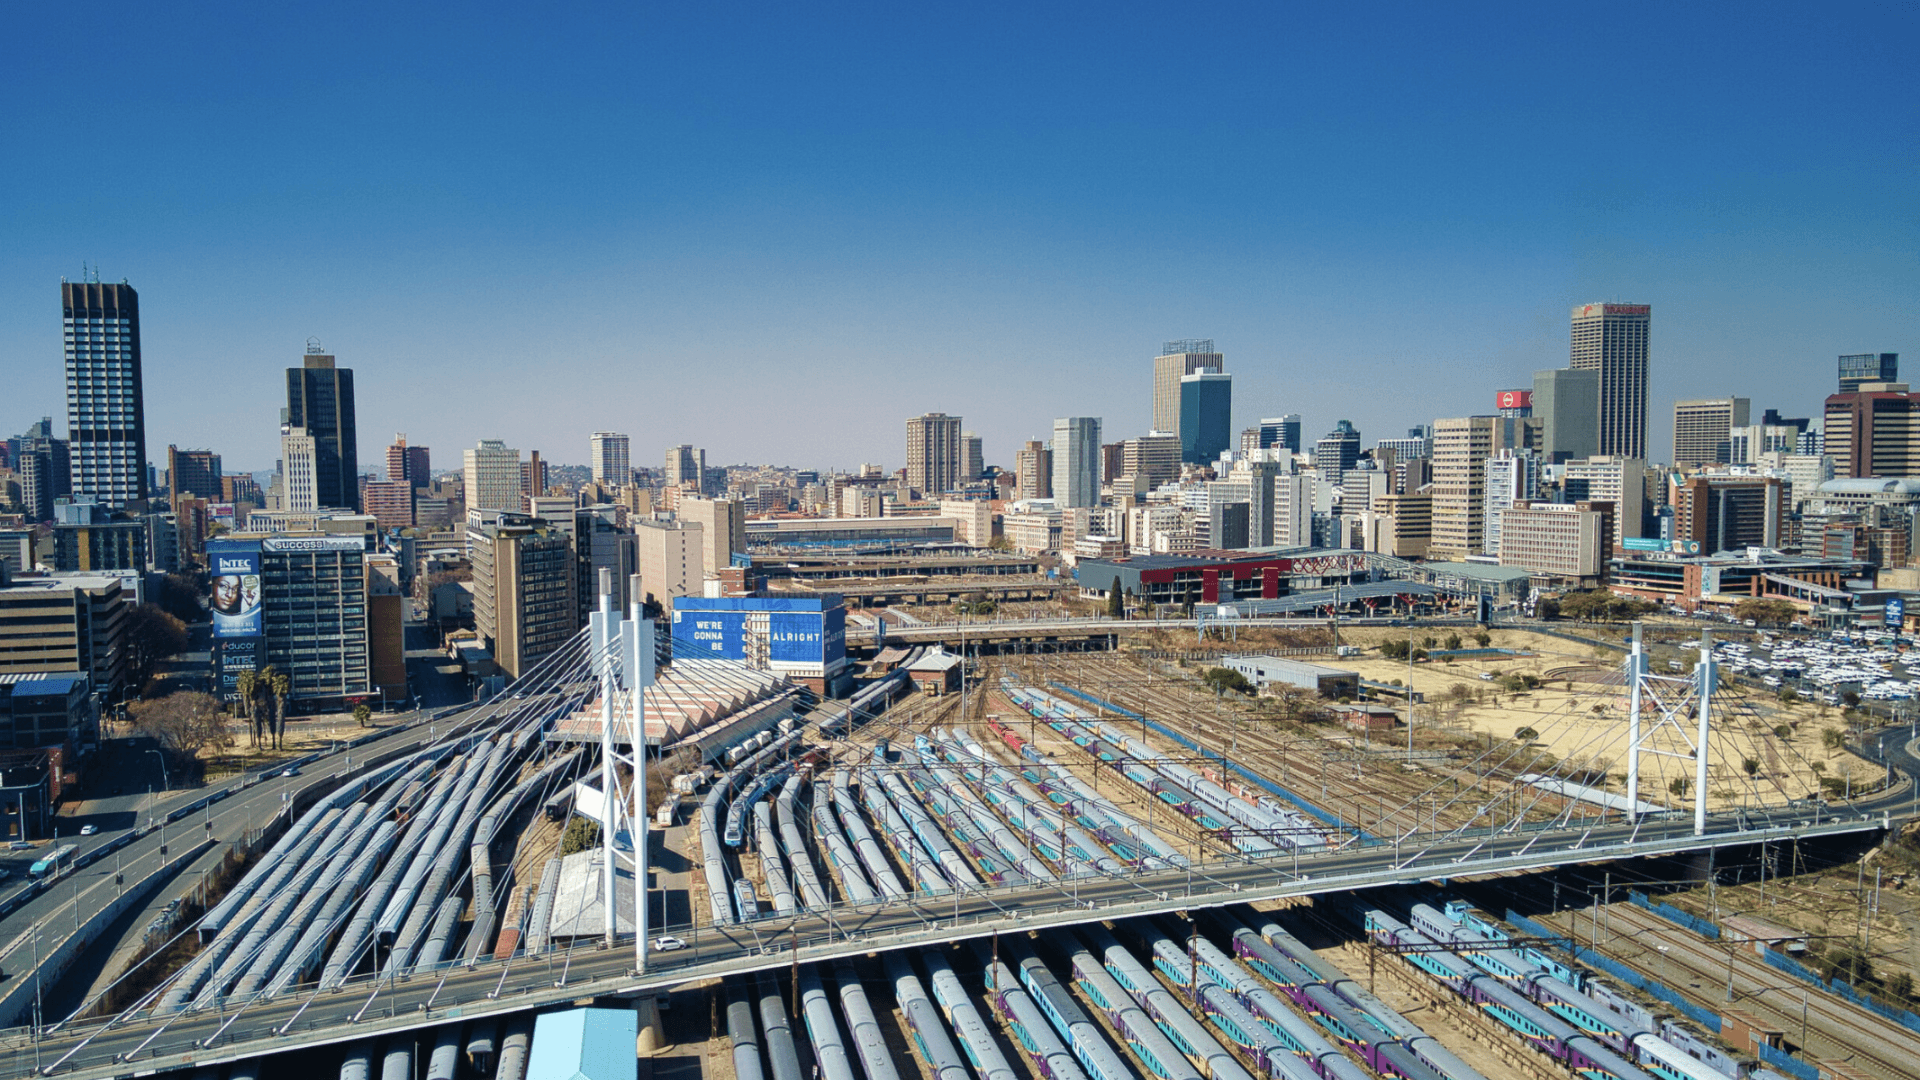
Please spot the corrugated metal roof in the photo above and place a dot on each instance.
(588, 1044)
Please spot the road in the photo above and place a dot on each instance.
(63, 902)
(368, 1007)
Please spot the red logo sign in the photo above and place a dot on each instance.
(1514, 399)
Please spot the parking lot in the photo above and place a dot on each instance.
(1826, 668)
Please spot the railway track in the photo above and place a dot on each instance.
(1835, 1030)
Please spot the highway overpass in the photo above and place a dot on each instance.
(456, 992)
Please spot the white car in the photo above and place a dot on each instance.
(89, 830)
(667, 944)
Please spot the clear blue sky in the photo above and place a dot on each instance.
(778, 230)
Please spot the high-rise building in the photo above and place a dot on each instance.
(298, 604)
(1399, 525)
(1294, 495)
(1701, 429)
(1282, 432)
(320, 401)
(1874, 431)
(687, 467)
(672, 559)
(1033, 463)
(1567, 402)
(1337, 451)
(1206, 415)
(193, 474)
(1460, 450)
(533, 479)
(1076, 461)
(933, 453)
(1612, 340)
(523, 589)
(389, 502)
(414, 464)
(1177, 360)
(69, 623)
(299, 471)
(1559, 541)
(973, 457)
(1512, 476)
(609, 453)
(1727, 513)
(44, 464)
(106, 405)
(724, 523)
(1858, 369)
(1610, 479)
(600, 542)
(492, 476)
(1155, 456)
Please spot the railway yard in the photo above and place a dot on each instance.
(1046, 770)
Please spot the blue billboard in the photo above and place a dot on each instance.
(235, 605)
(800, 636)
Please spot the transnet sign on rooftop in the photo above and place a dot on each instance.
(801, 636)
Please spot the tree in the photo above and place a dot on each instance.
(1294, 703)
(1000, 543)
(1224, 679)
(151, 636)
(583, 834)
(247, 684)
(1482, 638)
(1850, 698)
(362, 714)
(1781, 731)
(282, 687)
(1116, 603)
(1526, 734)
(1453, 642)
(179, 595)
(1678, 789)
(184, 723)
(1788, 695)
(1832, 739)
(1765, 612)
(1751, 765)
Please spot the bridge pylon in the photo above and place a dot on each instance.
(623, 657)
(1672, 700)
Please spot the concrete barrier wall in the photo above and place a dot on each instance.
(16, 1004)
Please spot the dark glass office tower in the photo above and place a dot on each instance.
(320, 401)
(1857, 369)
(106, 412)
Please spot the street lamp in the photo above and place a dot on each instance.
(164, 782)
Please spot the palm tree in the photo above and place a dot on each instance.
(247, 686)
(282, 686)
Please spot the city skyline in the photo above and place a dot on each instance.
(1761, 207)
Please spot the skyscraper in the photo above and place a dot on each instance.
(1701, 429)
(1612, 340)
(1567, 402)
(1337, 452)
(1281, 432)
(320, 401)
(1076, 461)
(1460, 450)
(610, 461)
(493, 476)
(973, 457)
(1176, 361)
(414, 464)
(687, 467)
(1034, 464)
(1858, 369)
(193, 474)
(933, 453)
(106, 407)
(1206, 415)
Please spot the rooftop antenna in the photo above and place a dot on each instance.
(313, 347)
